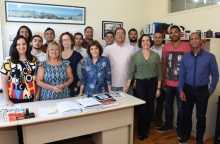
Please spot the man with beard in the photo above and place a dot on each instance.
(157, 47)
(133, 37)
(36, 43)
(195, 70)
(88, 32)
(171, 56)
(78, 47)
(49, 35)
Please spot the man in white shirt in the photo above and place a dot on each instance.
(36, 43)
(78, 47)
(120, 55)
(133, 38)
(157, 47)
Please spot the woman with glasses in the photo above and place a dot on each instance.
(66, 42)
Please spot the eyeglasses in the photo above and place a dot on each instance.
(109, 36)
(120, 33)
(66, 40)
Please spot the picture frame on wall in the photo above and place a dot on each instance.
(110, 26)
(44, 13)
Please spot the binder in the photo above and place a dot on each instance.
(155, 26)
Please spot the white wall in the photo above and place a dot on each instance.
(197, 19)
(130, 12)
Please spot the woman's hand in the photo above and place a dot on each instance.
(78, 84)
(9, 102)
(36, 98)
(134, 84)
(112, 92)
(80, 94)
(62, 86)
(57, 89)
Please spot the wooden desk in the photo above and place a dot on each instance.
(108, 125)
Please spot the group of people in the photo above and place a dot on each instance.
(147, 69)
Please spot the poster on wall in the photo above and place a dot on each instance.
(44, 13)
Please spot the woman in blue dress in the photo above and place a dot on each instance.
(96, 72)
(54, 75)
(68, 53)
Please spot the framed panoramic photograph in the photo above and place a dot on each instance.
(110, 26)
(44, 13)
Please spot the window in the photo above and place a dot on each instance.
(181, 5)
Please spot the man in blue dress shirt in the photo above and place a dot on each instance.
(195, 69)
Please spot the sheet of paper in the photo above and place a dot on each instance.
(43, 112)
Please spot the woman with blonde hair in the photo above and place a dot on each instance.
(54, 75)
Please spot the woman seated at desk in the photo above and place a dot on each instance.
(96, 72)
(19, 76)
(54, 75)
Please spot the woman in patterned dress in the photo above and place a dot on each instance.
(19, 76)
(19, 73)
(54, 75)
(96, 72)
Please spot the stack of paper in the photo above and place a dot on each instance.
(68, 107)
(89, 104)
